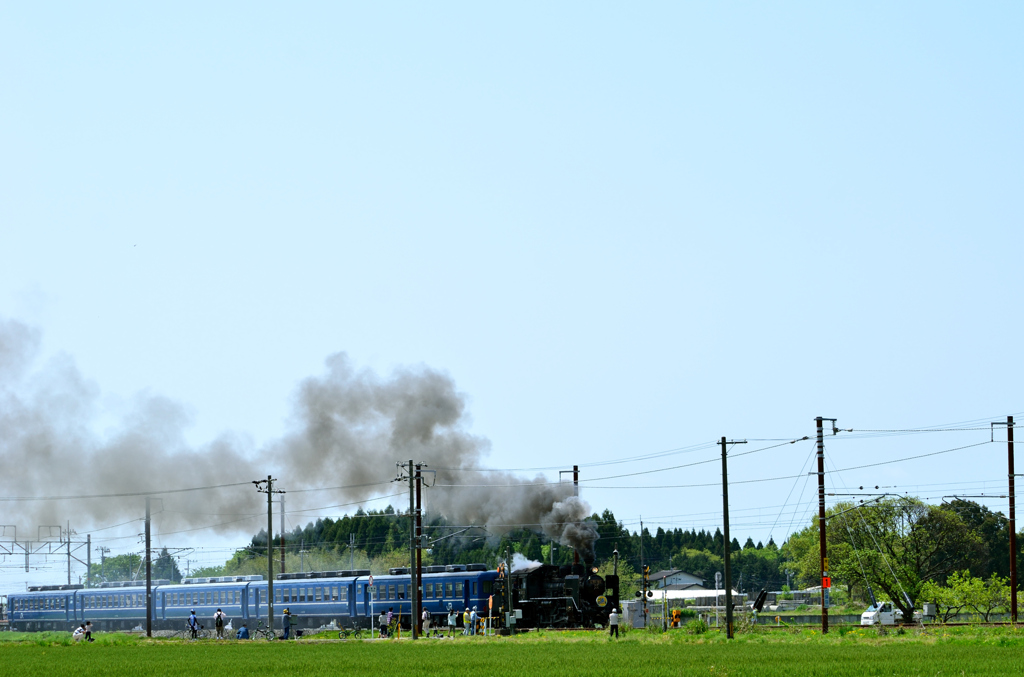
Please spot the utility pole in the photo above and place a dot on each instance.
(418, 565)
(269, 491)
(88, 560)
(412, 548)
(821, 523)
(1013, 525)
(149, 579)
(282, 534)
(69, 552)
(725, 540)
(103, 561)
(511, 623)
(576, 493)
(351, 551)
(643, 572)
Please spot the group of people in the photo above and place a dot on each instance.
(470, 620)
(83, 632)
(384, 621)
(219, 619)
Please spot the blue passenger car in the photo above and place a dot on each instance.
(314, 599)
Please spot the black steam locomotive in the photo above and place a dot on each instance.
(549, 596)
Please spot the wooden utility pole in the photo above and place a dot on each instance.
(413, 571)
(725, 543)
(270, 554)
(418, 587)
(576, 493)
(1013, 523)
(821, 524)
(269, 491)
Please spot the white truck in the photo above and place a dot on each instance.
(883, 613)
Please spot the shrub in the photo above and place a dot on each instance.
(696, 627)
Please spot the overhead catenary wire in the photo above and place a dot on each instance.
(157, 492)
(791, 489)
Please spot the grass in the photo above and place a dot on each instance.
(968, 651)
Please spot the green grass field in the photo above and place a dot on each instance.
(964, 651)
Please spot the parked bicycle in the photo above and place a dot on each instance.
(351, 633)
(186, 633)
(261, 632)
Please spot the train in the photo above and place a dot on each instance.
(539, 596)
(553, 596)
(314, 599)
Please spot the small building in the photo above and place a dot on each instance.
(667, 577)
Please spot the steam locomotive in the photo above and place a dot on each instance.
(550, 596)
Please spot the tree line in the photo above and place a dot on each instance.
(899, 549)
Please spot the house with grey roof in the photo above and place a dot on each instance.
(675, 577)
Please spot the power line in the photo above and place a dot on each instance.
(121, 495)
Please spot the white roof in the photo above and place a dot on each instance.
(692, 594)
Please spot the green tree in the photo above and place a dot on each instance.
(166, 567)
(895, 546)
(949, 599)
(119, 568)
(964, 590)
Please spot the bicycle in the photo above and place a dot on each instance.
(186, 633)
(354, 633)
(261, 632)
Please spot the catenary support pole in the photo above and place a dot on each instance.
(412, 546)
(576, 493)
(417, 621)
(282, 534)
(821, 523)
(68, 544)
(1013, 523)
(725, 541)
(88, 560)
(149, 578)
(643, 578)
(270, 555)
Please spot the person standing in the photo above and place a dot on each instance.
(218, 622)
(472, 622)
(426, 622)
(193, 624)
(382, 623)
(452, 617)
(286, 623)
(613, 623)
(88, 631)
(465, 621)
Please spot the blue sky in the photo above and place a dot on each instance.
(620, 230)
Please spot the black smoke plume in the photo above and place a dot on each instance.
(349, 429)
